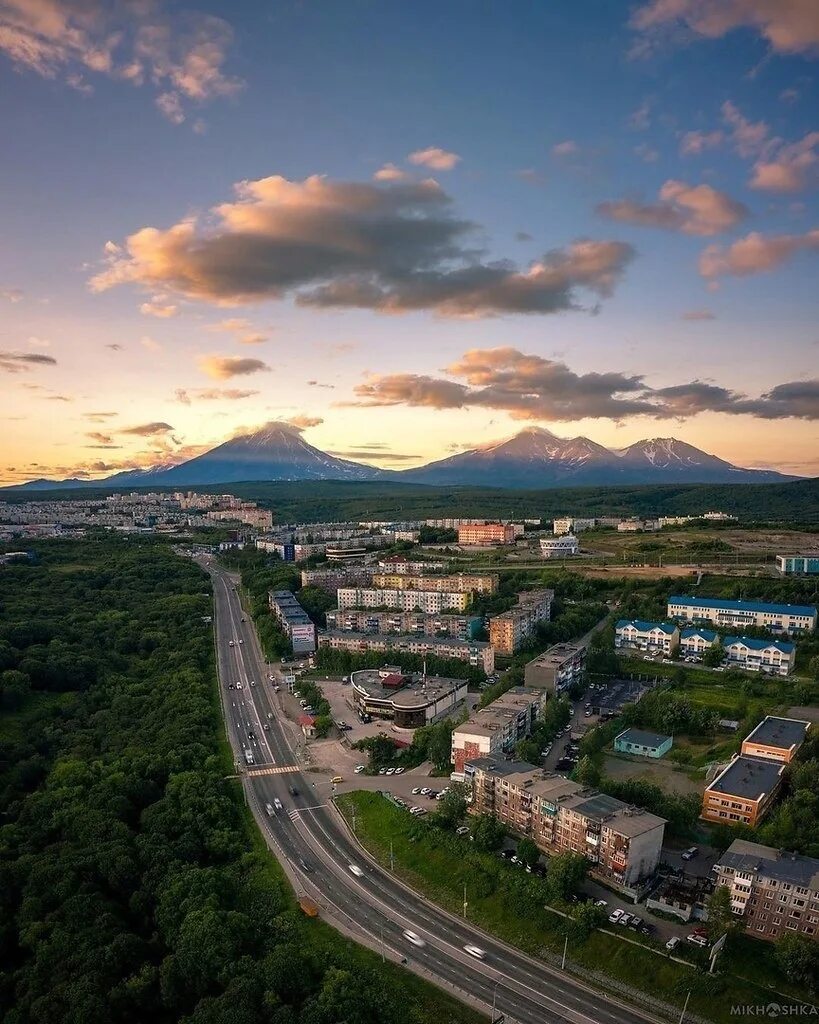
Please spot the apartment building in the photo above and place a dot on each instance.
(773, 657)
(568, 524)
(461, 582)
(404, 567)
(798, 565)
(559, 547)
(621, 843)
(486, 533)
(294, 620)
(430, 602)
(496, 728)
(638, 525)
(743, 791)
(778, 618)
(510, 630)
(775, 893)
(339, 576)
(358, 620)
(776, 739)
(475, 652)
(653, 637)
(557, 668)
(694, 641)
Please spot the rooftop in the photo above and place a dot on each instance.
(417, 692)
(759, 645)
(497, 714)
(394, 639)
(642, 737)
(707, 634)
(557, 654)
(749, 777)
(779, 732)
(742, 606)
(775, 864)
(646, 627)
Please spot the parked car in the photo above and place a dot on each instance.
(416, 790)
(697, 940)
(672, 943)
(691, 853)
(635, 922)
(399, 770)
(624, 920)
(359, 768)
(615, 916)
(600, 903)
(463, 830)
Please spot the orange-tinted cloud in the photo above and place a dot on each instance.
(19, 362)
(691, 209)
(225, 367)
(755, 253)
(434, 158)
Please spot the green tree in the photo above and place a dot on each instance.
(528, 852)
(565, 875)
(583, 919)
(452, 805)
(587, 771)
(714, 655)
(720, 916)
(798, 956)
(488, 833)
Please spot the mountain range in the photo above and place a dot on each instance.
(533, 458)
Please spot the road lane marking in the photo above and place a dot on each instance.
(279, 769)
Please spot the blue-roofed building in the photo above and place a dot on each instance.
(773, 657)
(642, 743)
(798, 565)
(652, 637)
(695, 641)
(723, 612)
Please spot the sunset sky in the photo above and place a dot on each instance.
(407, 227)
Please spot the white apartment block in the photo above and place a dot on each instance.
(772, 657)
(653, 637)
(431, 602)
(475, 652)
(559, 547)
(477, 583)
(778, 618)
(568, 524)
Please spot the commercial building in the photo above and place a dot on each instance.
(403, 566)
(743, 791)
(568, 524)
(779, 618)
(641, 743)
(653, 637)
(496, 728)
(357, 620)
(694, 641)
(509, 630)
(429, 601)
(774, 657)
(486, 533)
(559, 547)
(460, 582)
(776, 739)
(622, 843)
(774, 892)
(294, 620)
(798, 565)
(475, 652)
(410, 700)
(557, 668)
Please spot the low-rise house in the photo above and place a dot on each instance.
(776, 739)
(642, 743)
(798, 565)
(695, 641)
(652, 637)
(743, 791)
(773, 657)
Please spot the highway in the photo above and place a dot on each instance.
(317, 849)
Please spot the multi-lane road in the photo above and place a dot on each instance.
(317, 850)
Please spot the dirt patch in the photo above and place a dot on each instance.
(659, 773)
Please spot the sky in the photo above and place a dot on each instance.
(407, 229)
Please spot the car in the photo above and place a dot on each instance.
(424, 790)
(266, 727)
(359, 768)
(635, 923)
(615, 916)
(697, 940)
(416, 790)
(252, 682)
(600, 903)
(672, 943)
(303, 703)
(514, 858)
(239, 685)
(269, 809)
(587, 714)
(587, 705)
(646, 929)
(507, 854)
(700, 931)
(463, 830)
(336, 779)
(720, 668)
(690, 853)
(306, 866)
(269, 714)
(475, 951)
(648, 657)
(624, 919)
(293, 790)
(356, 870)
(414, 938)
(241, 641)
(382, 771)
(390, 771)
(399, 770)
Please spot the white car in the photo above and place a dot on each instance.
(600, 903)
(390, 771)
(615, 916)
(412, 937)
(398, 771)
(416, 790)
(424, 790)
(462, 831)
(672, 943)
(475, 951)
(356, 870)
(359, 768)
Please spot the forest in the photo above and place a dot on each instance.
(133, 885)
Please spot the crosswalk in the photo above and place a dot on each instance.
(294, 815)
(278, 769)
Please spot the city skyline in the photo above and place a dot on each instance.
(222, 218)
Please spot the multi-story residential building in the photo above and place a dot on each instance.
(773, 657)
(653, 637)
(475, 652)
(474, 583)
(429, 601)
(638, 525)
(569, 524)
(695, 641)
(743, 791)
(798, 565)
(294, 620)
(776, 739)
(486, 533)
(496, 728)
(719, 517)
(774, 892)
(404, 567)
(621, 843)
(357, 620)
(559, 547)
(641, 743)
(674, 520)
(339, 576)
(557, 668)
(509, 630)
(722, 612)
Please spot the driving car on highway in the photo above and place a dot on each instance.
(412, 937)
(475, 951)
(356, 870)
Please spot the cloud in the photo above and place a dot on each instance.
(252, 339)
(11, 294)
(389, 172)
(225, 367)
(691, 209)
(366, 454)
(788, 26)
(188, 395)
(647, 153)
(392, 248)
(157, 308)
(755, 254)
(100, 438)
(529, 387)
(434, 158)
(698, 314)
(747, 137)
(695, 143)
(791, 168)
(98, 417)
(640, 119)
(151, 344)
(317, 384)
(566, 148)
(115, 347)
(181, 55)
(532, 176)
(19, 362)
(147, 429)
(304, 422)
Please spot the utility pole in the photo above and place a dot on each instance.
(494, 996)
(465, 903)
(392, 858)
(565, 947)
(353, 814)
(685, 1006)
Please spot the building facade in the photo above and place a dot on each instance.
(798, 565)
(356, 620)
(460, 582)
(475, 652)
(568, 524)
(776, 739)
(431, 602)
(773, 657)
(778, 618)
(404, 567)
(774, 892)
(557, 668)
(641, 743)
(338, 576)
(694, 641)
(496, 728)
(743, 792)
(410, 700)
(653, 637)
(294, 620)
(486, 533)
(559, 547)
(510, 630)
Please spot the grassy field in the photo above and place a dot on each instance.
(441, 874)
